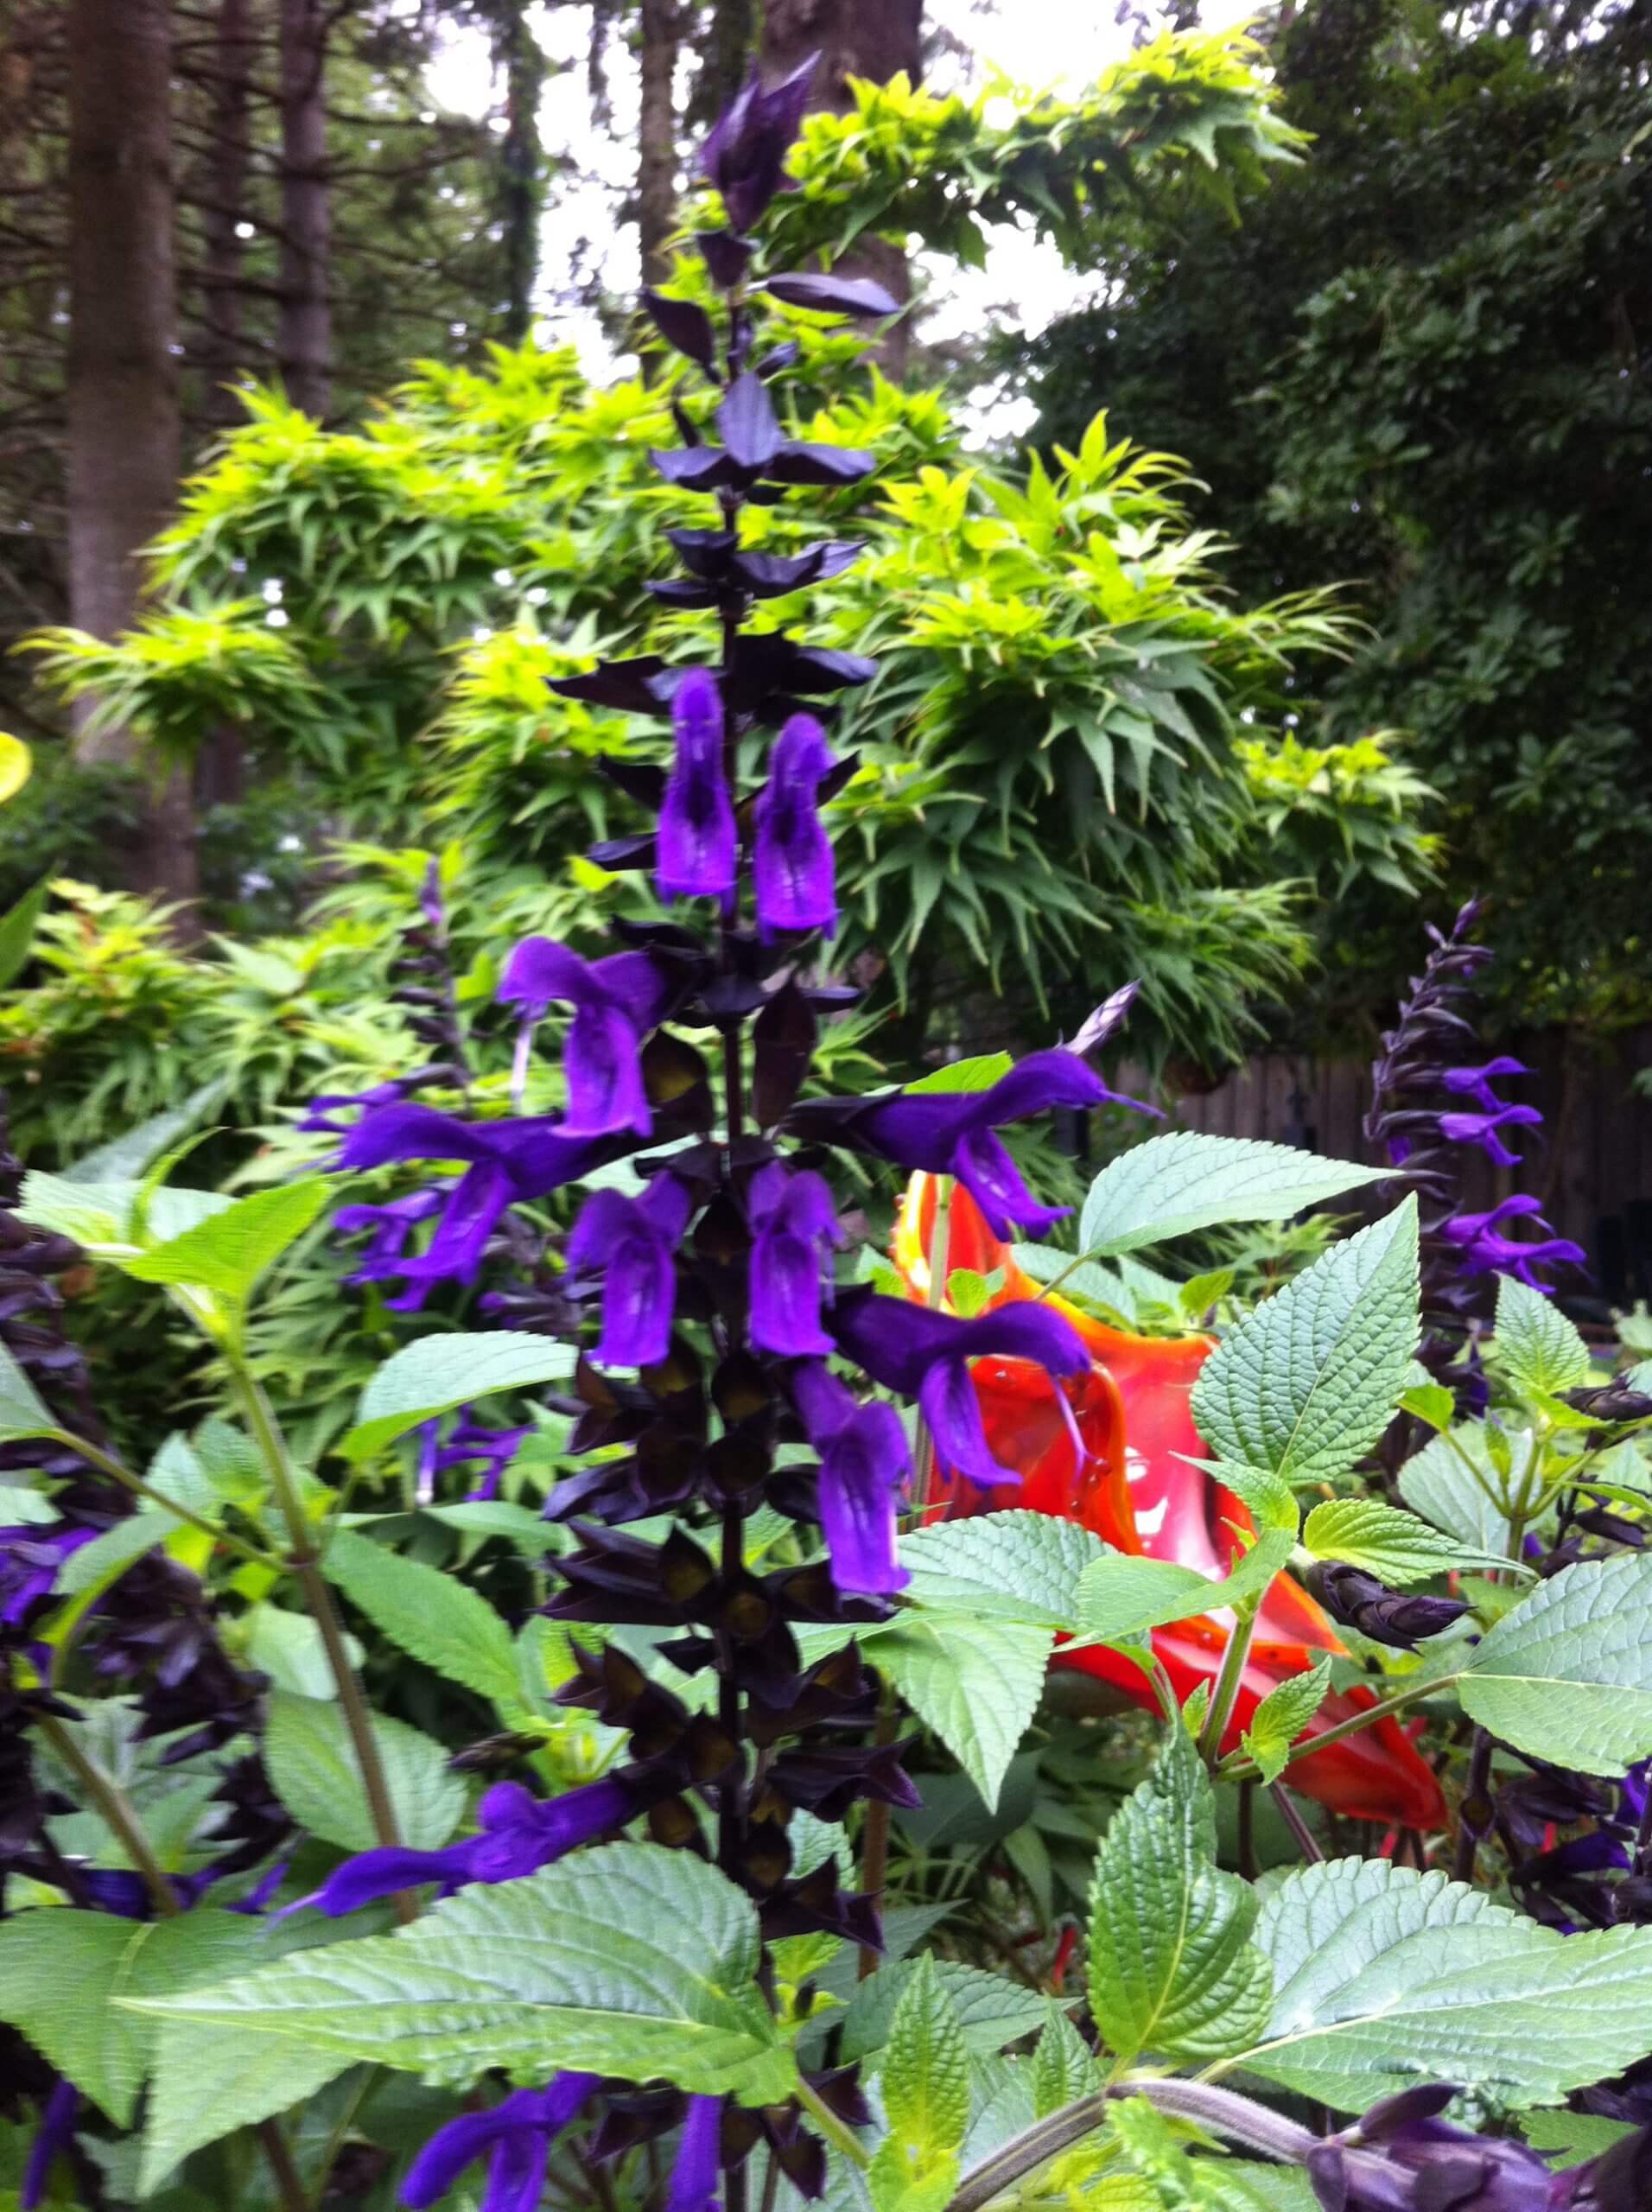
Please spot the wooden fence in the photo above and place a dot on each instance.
(1590, 1163)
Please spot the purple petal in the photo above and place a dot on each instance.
(696, 2172)
(376, 1874)
(947, 1400)
(785, 1277)
(639, 1301)
(697, 841)
(993, 1181)
(862, 1469)
(793, 860)
(602, 1062)
(402, 1132)
(56, 2128)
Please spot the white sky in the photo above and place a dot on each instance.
(1042, 45)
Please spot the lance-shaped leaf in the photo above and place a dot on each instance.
(1567, 1675)
(1183, 1182)
(1385, 1976)
(1173, 1969)
(430, 1615)
(924, 2078)
(1013, 1566)
(746, 419)
(976, 1682)
(1308, 1382)
(231, 1250)
(1539, 1348)
(1118, 1596)
(435, 1374)
(1282, 1715)
(629, 1960)
(832, 294)
(685, 326)
(1396, 1547)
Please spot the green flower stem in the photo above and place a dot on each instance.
(1240, 1769)
(1225, 1695)
(306, 1563)
(120, 1815)
(940, 1248)
(837, 2132)
(1223, 2110)
(107, 1465)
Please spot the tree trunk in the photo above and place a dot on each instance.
(122, 402)
(304, 338)
(657, 138)
(875, 39)
(225, 197)
(520, 157)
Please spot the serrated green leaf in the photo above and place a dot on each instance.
(97, 1564)
(252, 2077)
(1063, 2066)
(438, 1373)
(312, 1763)
(229, 1252)
(1012, 1566)
(1307, 1383)
(26, 1509)
(430, 1615)
(967, 1292)
(1173, 1969)
(131, 1155)
(629, 1960)
(22, 1411)
(1539, 1348)
(1385, 1976)
(991, 2011)
(1396, 1547)
(925, 2077)
(288, 1646)
(1431, 1402)
(1119, 1595)
(979, 1073)
(1281, 1717)
(1446, 1483)
(1567, 1675)
(64, 1972)
(976, 1682)
(1185, 1180)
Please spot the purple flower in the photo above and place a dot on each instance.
(517, 2134)
(791, 864)
(1476, 1083)
(864, 1465)
(697, 2172)
(519, 1834)
(745, 155)
(952, 1132)
(796, 1228)
(31, 1559)
(1402, 2157)
(615, 1002)
(634, 1242)
(697, 844)
(1482, 1130)
(468, 1443)
(509, 1161)
(388, 1229)
(56, 2130)
(925, 1355)
(1484, 1251)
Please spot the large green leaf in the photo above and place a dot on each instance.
(1384, 1977)
(1539, 1348)
(63, 1971)
(1013, 1566)
(136, 1151)
(1567, 1675)
(1308, 1382)
(1175, 1183)
(1173, 1969)
(1448, 1482)
(990, 2010)
(1396, 1547)
(976, 1681)
(312, 1763)
(629, 1960)
(251, 2077)
(228, 1252)
(430, 1615)
(1121, 1596)
(924, 2078)
(438, 1373)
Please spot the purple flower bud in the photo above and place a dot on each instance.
(1402, 2157)
(615, 1002)
(517, 2136)
(744, 154)
(796, 1228)
(56, 2132)
(697, 844)
(634, 1242)
(1385, 1615)
(792, 862)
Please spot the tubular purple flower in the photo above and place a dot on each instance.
(952, 1132)
(519, 1834)
(31, 1559)
(616, 1001)
(864, 1466)
(1482, 1130)
(791, 863)
(1402, 2157)
(1476, 1083)
(516, 2136)
(1485, 1251)
(509, 1161)
(634, 1242)
(797, 1226)
(56, 2132)
(696, 2175)
(697, 845)
(388, 1228)
(925, 1355)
